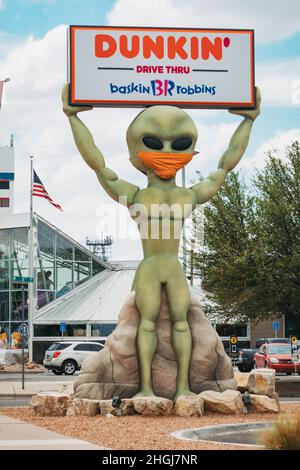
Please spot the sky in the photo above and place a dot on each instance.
(33, 55)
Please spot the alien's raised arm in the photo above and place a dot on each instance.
(209, 187)
(115, 187)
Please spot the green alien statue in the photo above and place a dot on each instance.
(161, 139)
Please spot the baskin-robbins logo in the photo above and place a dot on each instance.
(162, 88)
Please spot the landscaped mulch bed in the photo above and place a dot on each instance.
(139, 432)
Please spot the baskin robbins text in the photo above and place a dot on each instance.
(162, 88)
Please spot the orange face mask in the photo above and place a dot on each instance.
(165, 165)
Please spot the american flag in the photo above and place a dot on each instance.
(38, 189)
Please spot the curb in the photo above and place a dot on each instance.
(14, 397)
(29, 371)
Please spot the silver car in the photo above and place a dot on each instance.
(67, 357)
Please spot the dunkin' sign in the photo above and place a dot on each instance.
(132, 66)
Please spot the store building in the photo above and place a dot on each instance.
(61, 265)
(7, 177)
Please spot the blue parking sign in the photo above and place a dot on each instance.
(63, 327)
(275, 325)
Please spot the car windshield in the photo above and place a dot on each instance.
(58, 346)
(284, 349)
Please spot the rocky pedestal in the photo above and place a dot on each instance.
(50, 404)
(189, 406)
(263, 404)
(83, 407)
(262, 382)
(228, 402)
(114, 370)
(153, 406)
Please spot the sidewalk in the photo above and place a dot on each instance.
(14, 389)
(17, 435)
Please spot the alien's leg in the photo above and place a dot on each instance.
(148, 299)
(179, 302)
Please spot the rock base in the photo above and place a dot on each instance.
(50, 404)
(228, 402)
(114, 370)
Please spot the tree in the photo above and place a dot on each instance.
(250, 262)
(278, 215)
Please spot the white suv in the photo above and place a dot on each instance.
(67, 357)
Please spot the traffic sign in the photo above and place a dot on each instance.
(294, 339)
(233, 346)
(294, 348)
(23, 329)
(22, 279)
(63, 327)
(275, 325)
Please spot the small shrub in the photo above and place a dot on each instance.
(284, 434)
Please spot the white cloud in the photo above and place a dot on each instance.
(276, 80)
(278, 143)
(1, 4)
(271, 20)
(32, 111)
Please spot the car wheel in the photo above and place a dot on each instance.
(288, 373)
(69, 367)
(57, 372)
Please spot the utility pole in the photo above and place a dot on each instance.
(31, 269)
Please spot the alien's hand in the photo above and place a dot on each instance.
(249, 113)
(71, 110)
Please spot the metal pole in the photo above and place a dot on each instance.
(30, 269)
(184, 231)
(276, 333)
(23, 339)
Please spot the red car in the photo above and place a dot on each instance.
(276, 356)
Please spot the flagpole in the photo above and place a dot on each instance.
(31, 269)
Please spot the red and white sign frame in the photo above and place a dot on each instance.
(89, 75)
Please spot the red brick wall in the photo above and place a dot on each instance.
(263, 329)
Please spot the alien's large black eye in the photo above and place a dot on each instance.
(153, 143)
(182, 144)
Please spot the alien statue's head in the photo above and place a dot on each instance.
(161, 139)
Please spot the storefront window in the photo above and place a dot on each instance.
(16, 337)
(103, 329)
(82, 272)
(46, 237)
(64, 277)
(229, 330)
(53, 330)
(97, 267)
(4, 243)
(18, 305)
(64, 249)
(4, 335)
(4, 306)
(4, 274)
(20, 246)
(81, 255)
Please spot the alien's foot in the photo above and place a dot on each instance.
(183, 393)
(144, 392)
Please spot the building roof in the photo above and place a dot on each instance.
(98, 300)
